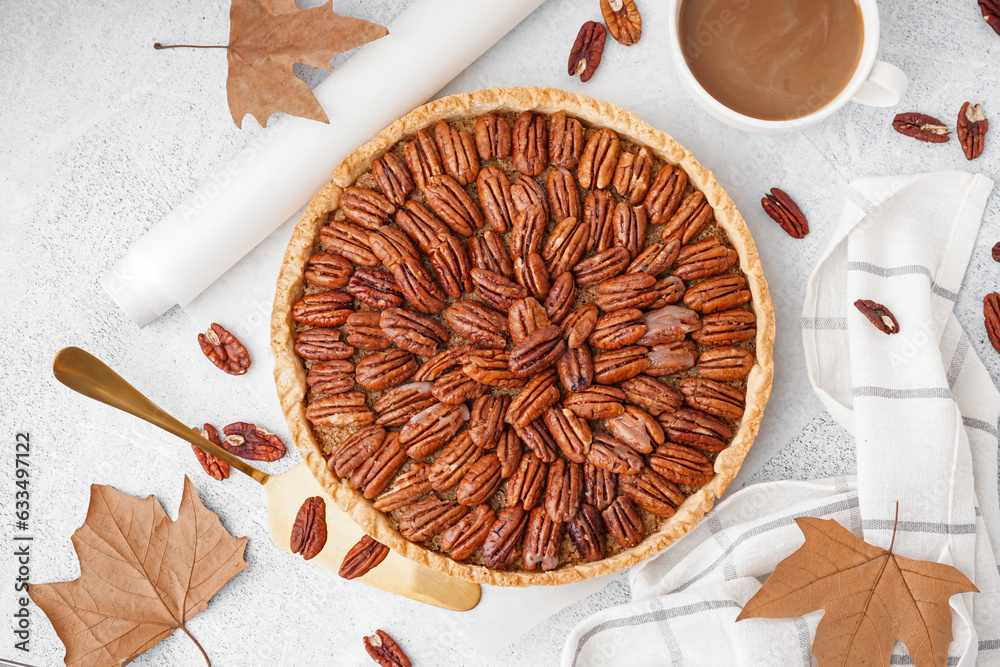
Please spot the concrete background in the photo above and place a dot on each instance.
(101, 136)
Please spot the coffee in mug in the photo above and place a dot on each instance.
(772, 59)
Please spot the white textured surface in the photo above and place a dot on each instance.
(101, 136)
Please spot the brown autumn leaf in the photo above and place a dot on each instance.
(871, 596)
(141, 575)
(266, 37)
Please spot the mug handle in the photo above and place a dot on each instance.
(884, 86)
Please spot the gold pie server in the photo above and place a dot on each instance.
(86, 374)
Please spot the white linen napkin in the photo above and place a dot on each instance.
(924, 413)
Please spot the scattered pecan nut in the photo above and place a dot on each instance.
(564, 196)
(452, 266)
(385, 651)
(562, 296)
(631, 290)
(991, 13)
(579, 324)
(613, 455)
(509, 449)
(571, 433)
(420, 225)
(489, 252)
(224, 350)
(616, 366)
(784, 211)
(972, 127)
(669, 324)
(991, 312)
(921, 126)
(434, 367)
(619, 328)
(213, 466)
(587, 51)
(419, 288)
(623, 20)
(492, 368)
(309, 530)
(349, 240)
(495, 290)
(487, 419)
(692, 216)
(362, 558)
(629, 224)
(665, 194)
(704, 259)
(564, 490)
(879, 315)
(598, 215)
(251, 442)
(656, 258)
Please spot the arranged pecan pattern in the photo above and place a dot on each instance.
(224, 350)
(309, 530)
(507, 393)
(362, 558)
(972, 127)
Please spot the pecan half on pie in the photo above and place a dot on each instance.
(522, 337)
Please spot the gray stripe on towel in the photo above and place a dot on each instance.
(653, 617)
(980, 425)
(824, 323)
(920, 526)
(920, 392)
(907, 270)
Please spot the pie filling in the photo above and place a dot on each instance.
(527, 340)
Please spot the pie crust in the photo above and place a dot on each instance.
(290, 372)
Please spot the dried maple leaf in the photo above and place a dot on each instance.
(266, 37)
(141, 575)
(871, 596)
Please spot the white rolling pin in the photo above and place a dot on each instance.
(250, 196)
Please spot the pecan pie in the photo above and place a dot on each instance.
(545, 348)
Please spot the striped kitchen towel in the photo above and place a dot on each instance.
(923, 411)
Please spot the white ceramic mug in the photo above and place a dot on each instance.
(874, 82)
